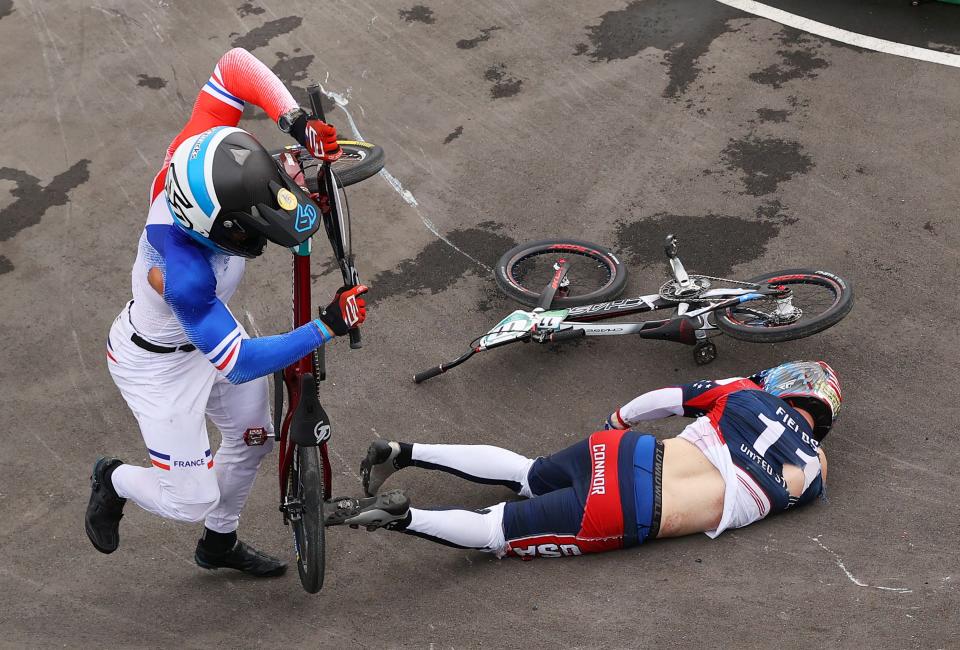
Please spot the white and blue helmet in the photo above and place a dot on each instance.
(811, 385)
(224, 190)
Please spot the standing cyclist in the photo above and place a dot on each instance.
(753, 451)
(176, 352)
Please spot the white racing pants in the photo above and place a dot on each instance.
(171, 394)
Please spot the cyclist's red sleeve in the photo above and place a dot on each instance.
(238, 77)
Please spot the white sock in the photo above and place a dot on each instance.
(477, 463)
(461, 528)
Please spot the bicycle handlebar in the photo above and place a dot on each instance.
(566, 335)
(556, 337)
(427, 374)
(344, 257)
(315, 104)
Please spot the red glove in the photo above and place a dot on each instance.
(347, 310)
(320, 139)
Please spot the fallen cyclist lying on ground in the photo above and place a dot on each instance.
(753, 451)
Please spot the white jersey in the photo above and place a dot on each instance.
(743, 500)
(149, 313)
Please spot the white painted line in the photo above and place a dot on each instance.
(859, 583)
(844, 36)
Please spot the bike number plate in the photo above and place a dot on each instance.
(512, 327)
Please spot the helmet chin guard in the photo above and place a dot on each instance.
(223, 187)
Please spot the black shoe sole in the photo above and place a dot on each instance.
(279, 571)
(377, 454)
(103, 549)
(106, 550)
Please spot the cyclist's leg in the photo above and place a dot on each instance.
(236, 409)
(493, 465)
(181, 484)
(166, 393)
(545, 526)
(484, 464)
(561, 469)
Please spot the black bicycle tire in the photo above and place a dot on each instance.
(311, 557)
(827, 319)
(618, 272)
(372, 162)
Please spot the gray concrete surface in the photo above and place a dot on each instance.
(762, 147)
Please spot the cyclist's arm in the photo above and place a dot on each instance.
(238, 78)
(190, 290)
(690, 400)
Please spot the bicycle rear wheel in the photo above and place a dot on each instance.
(818, 300)
(360, 161)
(595, 273)
(305, 487)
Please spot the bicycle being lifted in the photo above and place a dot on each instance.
(301, 426)
(561, 279)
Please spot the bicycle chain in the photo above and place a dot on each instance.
(704, 277)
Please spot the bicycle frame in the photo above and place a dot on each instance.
(294, 379)
(305, 423)
(690, 325)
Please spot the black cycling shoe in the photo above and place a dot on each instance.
(379, 464)
(105, 508)
(242, 558)
(387, 510)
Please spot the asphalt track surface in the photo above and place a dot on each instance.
(760, 146)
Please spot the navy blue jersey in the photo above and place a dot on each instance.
(762, 432)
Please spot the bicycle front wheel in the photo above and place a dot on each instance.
(305, 486)
(595, 273)
(360, 161)
(818, 300)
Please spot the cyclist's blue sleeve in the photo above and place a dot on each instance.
(190, 288)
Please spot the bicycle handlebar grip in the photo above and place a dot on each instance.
(565, 335)
(427, 374)
(315, 95)
(355, 342)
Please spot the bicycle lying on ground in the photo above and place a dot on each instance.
(772, 307)
(301, 426)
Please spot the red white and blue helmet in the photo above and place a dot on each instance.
(810, 385)
(226, 191)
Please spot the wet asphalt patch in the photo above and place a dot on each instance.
(683, 29)
(248, 8)
(772, 115)
(799, 60)
(453, 135)
(418, 14)
(294, 72)
(710, 244)
(504, 84)
(765, 162)
(470, 43)
(156, 83)
(438, 266)
(31, 201)
(262, 35)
